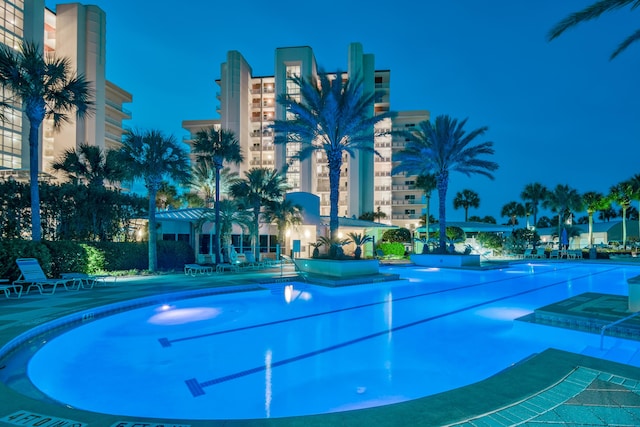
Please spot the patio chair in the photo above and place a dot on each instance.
(195, 269)
(251, 261)
(31, 273)
(554, 254)
(528, 253)
(86, 281)
(8, 287)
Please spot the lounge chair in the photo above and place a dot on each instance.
(554, 254)
(195, 269)
(8, 287)
(528, 253)
(251, 261)
(31, 273)
(86, 281)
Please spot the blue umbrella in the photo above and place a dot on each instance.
(564, 239)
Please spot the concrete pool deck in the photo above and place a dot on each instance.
(553, 387)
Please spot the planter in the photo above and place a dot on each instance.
(438, 260)
(338, 268)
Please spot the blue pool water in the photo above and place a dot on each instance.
(299, 349)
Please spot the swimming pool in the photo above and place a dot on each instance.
(298, 349)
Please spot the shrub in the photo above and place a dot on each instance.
(66, 256)
(490, 240)
(392, 248)
(402, 235)
(10, 250)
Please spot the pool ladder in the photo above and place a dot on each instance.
(605, 327)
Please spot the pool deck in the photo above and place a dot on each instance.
(551, 388)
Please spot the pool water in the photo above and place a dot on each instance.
(299, 349)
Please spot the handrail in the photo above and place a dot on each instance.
(605, 327)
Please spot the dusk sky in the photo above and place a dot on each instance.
(558, 112)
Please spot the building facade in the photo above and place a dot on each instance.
(76, 32)
(248, 107)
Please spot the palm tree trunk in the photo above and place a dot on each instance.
(153, 237)
(590, 229)
(624, 228)
(255, 236)
(217, 216)
(335, 163)
(36, 226)
(442, 183)
(426, 222)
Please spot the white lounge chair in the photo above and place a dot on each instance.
(528, 253)
(31, 273)
(195, 269)
(251, 261)
(86, 281)
(7, 288)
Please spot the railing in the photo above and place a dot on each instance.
(605, 327)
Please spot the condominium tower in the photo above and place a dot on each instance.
(76, 32)
(248, 106)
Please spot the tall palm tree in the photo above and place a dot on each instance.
(152, 156)
(427, 183)
(592, 12)
(562, 200)
(621, 194)
(466, 199)
(260, 186)
(513, 210)
(203, 181)
(284, 213)
(534, 193)
(442, 146)
(89, 164)
(333, 115)
(46, 87)
(634, 181)
(218, 147)
(594, 202)
(230, 214)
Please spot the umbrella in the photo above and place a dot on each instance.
(564, 239)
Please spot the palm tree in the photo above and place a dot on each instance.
(466, 199)
(89, 164)
(218, 147)
(562, 200)
(152, 156)
(284, 213)
(46, 87)
(334, 116)
(359, 239)
(634, 181)
(427, 183)
(378, 214)
(534, 193)
(203, 181)
(592, 12)
(594, 202)
(260, 186)
(513, 210)
(230, 214)
(441, 147)
(621, 194)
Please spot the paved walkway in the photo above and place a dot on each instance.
(552, 388)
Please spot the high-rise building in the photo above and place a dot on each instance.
(248, 106)
(76, 32)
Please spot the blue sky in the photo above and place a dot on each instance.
(558, 112)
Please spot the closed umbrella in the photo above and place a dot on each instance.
(564, 239)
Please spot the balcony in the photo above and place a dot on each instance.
(382, 188)
(382, 202)
(407, 202)
(405, 216)
(395, 187)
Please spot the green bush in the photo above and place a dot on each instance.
(10, 250)
(401, 235)
(66, 256)
(490, 240)
(392, 248)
